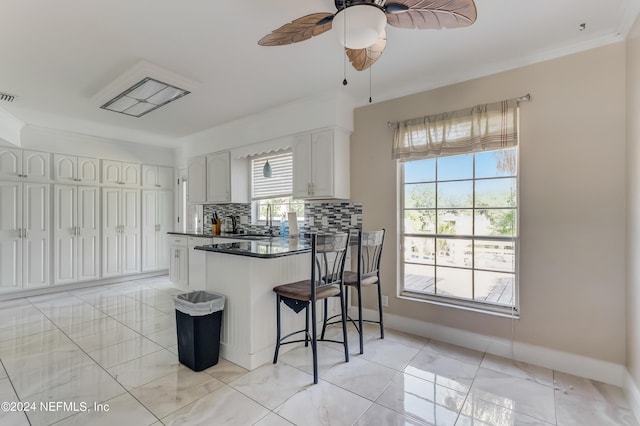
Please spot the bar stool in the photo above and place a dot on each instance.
(370, 245)
(328, 254)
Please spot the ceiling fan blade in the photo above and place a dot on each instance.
(361, 59)
(431, 14)
(299, 30)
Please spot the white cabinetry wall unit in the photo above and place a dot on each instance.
(178, 260)
(218, 178)
(120, 173)
(76, 233)
(321, 164)
(24, 235)
(76, 170)
(197, 180)
(24, 164)
(120, 231)
(157, 220)
(157, 177)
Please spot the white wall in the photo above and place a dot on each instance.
(572, 200)
(333, 109)
(42, 139)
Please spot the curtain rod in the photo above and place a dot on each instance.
(523, 98)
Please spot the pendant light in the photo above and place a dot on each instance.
(266, 170)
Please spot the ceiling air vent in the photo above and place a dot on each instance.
(6, 97)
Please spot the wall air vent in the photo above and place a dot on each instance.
(6, 97)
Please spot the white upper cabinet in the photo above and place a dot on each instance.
(197, 180)
(120, 173)
(25, 164)
(321, 165)
(218, 178)
(157, 177)
(73, 169)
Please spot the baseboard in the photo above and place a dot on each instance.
(565, 362)
(633, 393)
(75, 286)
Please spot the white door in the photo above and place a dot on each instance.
(197, 180)
(111, 232)
(165, 224)
(65, 230)
(65, 168)
(165, 177)
(10, 232)
(150, 233)
(218, 183)
(301, 166)
(88, 170)
(36, 165)
(149, 176)
(88, 233)
(131, 229)
(130, 174)
(111, 172)
(36, 235)
(322, 164)
(10, 163)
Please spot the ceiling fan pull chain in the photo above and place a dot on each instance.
(371, 66)
(344, 58)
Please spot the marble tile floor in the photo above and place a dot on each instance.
(67, 357)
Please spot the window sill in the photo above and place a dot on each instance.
(451, 302)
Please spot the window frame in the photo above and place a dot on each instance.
(511, 311)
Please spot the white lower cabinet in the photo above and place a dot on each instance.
(120, 231)
(25, 235)
(157, 220)
(76, 233)
(178, 261)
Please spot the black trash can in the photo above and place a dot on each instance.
(198, 323)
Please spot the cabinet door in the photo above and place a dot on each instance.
(302, 166)
(111, 247)
(65, 230)
(149, 176)
(150, 234)
(88, 170)
(165, 177)
(183, 267)
(111, 172)
(10, 163)
(218, 178)
(36, 165)
(10, 232)
(173, 265)
(65, 168)
(88, 233)
(165, 224)
(130, 174)
(197, 180)
(37, 235)
(322, 164)
(131, 229)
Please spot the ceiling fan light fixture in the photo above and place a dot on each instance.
(364, 24)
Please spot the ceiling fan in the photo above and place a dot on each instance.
(360, 24)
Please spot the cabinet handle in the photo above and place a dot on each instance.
(24, 232)
(19, 232)
(24, 176)
(78, 231)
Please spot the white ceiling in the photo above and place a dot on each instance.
(55, 56)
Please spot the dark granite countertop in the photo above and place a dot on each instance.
(265, 249)
(238, 236)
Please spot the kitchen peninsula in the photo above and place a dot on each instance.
(245, 273)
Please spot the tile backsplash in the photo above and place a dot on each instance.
(319, 216)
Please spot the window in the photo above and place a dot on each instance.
(459, 229)
(275, 190)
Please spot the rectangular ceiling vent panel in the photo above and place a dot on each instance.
(6, 97)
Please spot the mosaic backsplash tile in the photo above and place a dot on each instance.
(319, 216)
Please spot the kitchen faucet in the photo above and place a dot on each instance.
(234, 224)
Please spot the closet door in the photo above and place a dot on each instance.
(165, 224)
(10, 236)
(65, 168)
(36, 235)
(88, 170)
(36, 165)
(149, 230)
(131, 230)
(111, 235)
(65, 230)
(88, 233)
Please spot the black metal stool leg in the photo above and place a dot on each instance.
(360, 330)
(380, 308)
(306, 326)
(278, 330)
(314, 342)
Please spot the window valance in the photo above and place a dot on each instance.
(479, 128)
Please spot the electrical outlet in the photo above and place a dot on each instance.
(244, 219)
(325, 221)
(385, 300)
